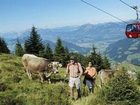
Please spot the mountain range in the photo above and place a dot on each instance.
(109, 38)
(81, 37)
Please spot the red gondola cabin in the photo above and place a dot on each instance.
(133, 30)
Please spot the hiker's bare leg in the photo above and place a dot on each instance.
(72, 92)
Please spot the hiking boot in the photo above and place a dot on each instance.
(79, 93)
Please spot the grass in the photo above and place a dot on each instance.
(16, 88)
(91, 99)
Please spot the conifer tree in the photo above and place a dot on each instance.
(106, 64)
(3, 46)
(96, 59)
(59, 52)
(18, 49)
(33, 44)
(66, 56)
(48, 53)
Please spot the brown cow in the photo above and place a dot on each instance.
(104, 75)
(34, 64)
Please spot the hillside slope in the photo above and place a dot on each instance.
(17, 89)
(125, 50)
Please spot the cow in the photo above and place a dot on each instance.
(56, 65)
(34, 64)
(104, 75)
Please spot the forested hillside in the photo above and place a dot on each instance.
(125, 50)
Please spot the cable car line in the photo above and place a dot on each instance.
(133, 7)
(132, 30)
(103, 11)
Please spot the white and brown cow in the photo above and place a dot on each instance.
(56, 65)
(34, 64)
(104, 75)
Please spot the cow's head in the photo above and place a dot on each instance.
(56, 65)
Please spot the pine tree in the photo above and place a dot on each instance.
(33, 44)
(18, 49)
(48, 53)
(3, 46)
(96, 59)
(59, 52)
(66, 56)
(106, 64)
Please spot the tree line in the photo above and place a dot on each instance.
(34, 45)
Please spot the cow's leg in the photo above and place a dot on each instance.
(29, 74)
(48, 75)
(41, 77)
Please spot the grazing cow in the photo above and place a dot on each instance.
(34, 64)
(104, 75)
(56, 65)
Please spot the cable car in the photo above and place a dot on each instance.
(133, 30)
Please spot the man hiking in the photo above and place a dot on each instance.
(74, 70)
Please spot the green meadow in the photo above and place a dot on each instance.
(17, 89)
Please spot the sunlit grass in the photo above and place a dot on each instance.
(28, 92)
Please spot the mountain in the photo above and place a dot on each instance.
(83, 36)
(108, 37)
(125, 50)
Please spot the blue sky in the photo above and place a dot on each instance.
(18, 15)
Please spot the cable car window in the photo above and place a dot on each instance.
(134, 28)
(129, 27)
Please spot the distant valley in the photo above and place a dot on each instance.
(125, 50)
(108, 38)
(76, 38)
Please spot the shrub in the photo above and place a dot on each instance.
(122, 90)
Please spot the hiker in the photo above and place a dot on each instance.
(74, 70)
(89, 78)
